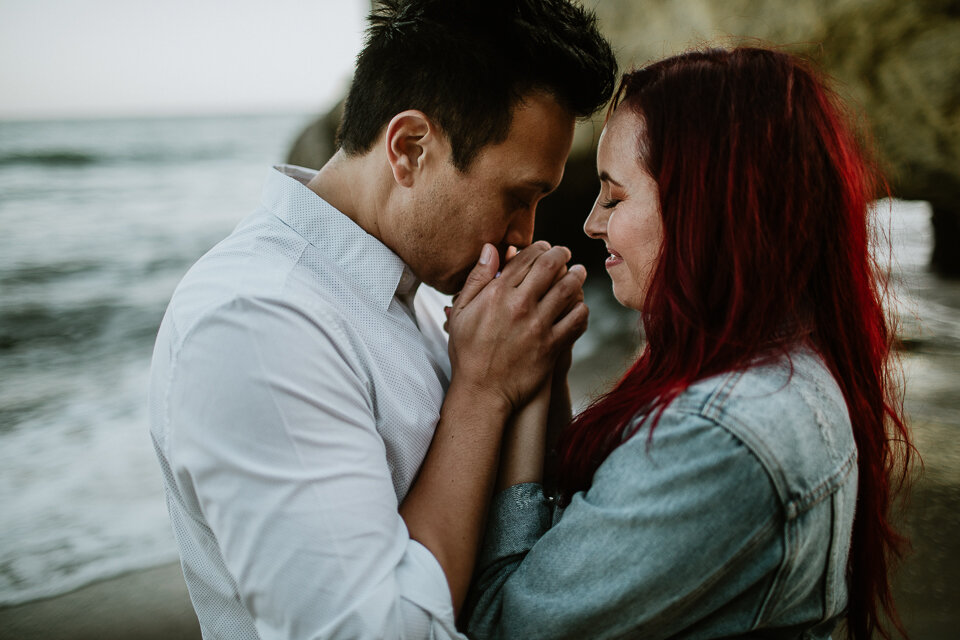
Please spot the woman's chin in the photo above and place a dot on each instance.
(629, 300)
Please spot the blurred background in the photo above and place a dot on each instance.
(134, 135)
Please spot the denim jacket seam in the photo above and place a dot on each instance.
(708, 583)
(712, 409)
(792, 507)
(757, 447)
(768, 525)
(714, 401)
(781, 487)
(792, 510)
(790, 549)
(793, 504)
(827, 487)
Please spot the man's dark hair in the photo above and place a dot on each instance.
(467, 63)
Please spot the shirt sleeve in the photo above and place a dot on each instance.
(671, 530)
(272, 429)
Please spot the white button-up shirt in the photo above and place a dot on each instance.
(294, 393)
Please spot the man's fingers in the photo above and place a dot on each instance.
(516, 269)
(544, 271)
(571, 326)
(484, 271)
(565, 293)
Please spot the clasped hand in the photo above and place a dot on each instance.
(507, 332)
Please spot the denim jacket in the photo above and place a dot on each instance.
(733, 521)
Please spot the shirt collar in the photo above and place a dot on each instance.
(380, 272)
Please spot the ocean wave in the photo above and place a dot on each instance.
(82, 158)
(77, 330)
(15, 590)
(53, 158)
(39, 274)
(67, 328)
(94, 240)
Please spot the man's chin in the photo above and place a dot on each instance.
(449, 288)
(451, 285)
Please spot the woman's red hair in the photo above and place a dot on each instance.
(764, 196)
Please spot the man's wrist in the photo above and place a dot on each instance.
(491, 401)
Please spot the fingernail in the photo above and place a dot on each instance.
(486, 255)
(579, 267)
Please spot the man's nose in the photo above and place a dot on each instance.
(520, 233)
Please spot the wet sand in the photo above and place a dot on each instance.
(149, 604)
(153, 604)
(927, 586)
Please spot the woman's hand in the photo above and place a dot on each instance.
(507, 332)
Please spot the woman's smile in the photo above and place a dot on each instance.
(613, 259)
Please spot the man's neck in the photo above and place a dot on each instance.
(354, 185)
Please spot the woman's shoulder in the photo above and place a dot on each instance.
(790, 412)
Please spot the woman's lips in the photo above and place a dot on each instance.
(613, 259)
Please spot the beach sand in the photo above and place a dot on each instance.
(149, 604)
(153, 604)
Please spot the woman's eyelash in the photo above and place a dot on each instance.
(611, 203)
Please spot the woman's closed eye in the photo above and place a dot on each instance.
(611, 203)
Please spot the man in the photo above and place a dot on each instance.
(300, 372)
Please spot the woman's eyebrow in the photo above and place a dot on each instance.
(605, 177)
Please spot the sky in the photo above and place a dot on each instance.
(88, 58)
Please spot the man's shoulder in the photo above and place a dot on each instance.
(261, 260)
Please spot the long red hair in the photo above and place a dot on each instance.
(764, 195)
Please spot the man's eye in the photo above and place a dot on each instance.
(521, 203)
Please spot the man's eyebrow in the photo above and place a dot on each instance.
(605, 177)
(542, 185)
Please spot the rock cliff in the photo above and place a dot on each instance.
(897, 62)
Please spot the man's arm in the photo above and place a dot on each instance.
(273, 439)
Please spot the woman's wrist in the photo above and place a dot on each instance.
(522, 451)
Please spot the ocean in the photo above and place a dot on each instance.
(99, 220)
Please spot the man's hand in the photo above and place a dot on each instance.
(507, 332)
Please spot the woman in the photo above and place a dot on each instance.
(737, 480)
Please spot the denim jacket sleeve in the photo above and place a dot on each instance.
(673, 530)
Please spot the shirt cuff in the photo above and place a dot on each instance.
(519, 516)
(423, 581)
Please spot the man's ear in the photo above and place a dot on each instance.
(410, 136)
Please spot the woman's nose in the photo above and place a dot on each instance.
(595, 225)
